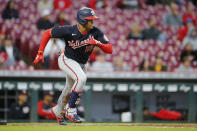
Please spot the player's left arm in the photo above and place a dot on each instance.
(102, 42)
(106, 47)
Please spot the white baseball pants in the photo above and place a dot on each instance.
(75, 80)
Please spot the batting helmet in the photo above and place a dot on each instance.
(85, 14)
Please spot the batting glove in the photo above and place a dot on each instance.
(93, 42)
(38, 58)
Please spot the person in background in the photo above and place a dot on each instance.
(44, 5)
(159, 66)
(168, 2)
(101, 64)
(11, 51)
(3, 55)
(52, 48)
(190, 14)
(2, 38)
(191, 38)
(97, 4)
(61, 4)
(127, 4)
(147, 114)
(152, 2)
(186, 65)
(3, 60)
(135, 33)
(118, 63)
(188, 51)
(45, 105)
(173, 18)
(164, 114)
(183, 31)
(163, 2)
(44, 22)
(194, 2)
(10, 11)
(145, 66)
(151, 32)
(61, 19)
(20, 109)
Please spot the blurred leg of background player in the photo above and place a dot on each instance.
(76, 80)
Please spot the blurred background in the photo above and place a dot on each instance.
(150, 77)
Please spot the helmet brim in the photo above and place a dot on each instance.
(91, 18)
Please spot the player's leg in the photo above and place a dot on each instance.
(64, 97)
(71, 110)
(76, 90)
(62, 101)
(58, 109)
(73, 70)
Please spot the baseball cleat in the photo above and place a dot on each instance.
(60, 121)
(71, 114)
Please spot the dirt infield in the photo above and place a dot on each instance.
(166, 125)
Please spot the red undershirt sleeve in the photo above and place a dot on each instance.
(45, 38)
(107, 48)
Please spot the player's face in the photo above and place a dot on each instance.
(89, 25)
(48, 98)
(22, 98)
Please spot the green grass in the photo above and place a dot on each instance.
(95, 127)
(90, 128)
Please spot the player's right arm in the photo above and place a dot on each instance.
(56, 32)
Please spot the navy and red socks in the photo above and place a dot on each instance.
(73, 98)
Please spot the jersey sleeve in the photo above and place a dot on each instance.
(60, 31)
(102, 37)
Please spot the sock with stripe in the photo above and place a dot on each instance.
(73, 98)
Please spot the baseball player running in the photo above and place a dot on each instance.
(80, 39)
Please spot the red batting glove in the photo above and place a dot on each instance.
(107, 48)
(92, 42)
(38, 58)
